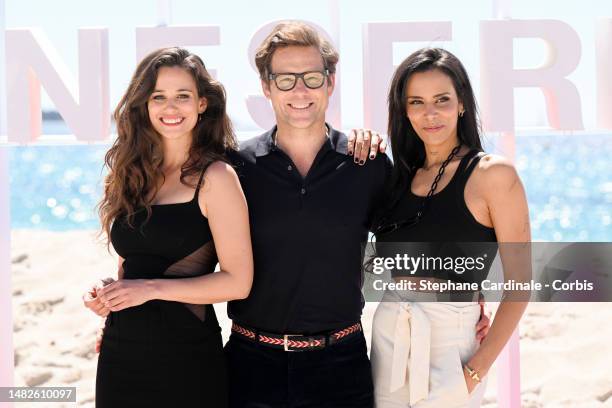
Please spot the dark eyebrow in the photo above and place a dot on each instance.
(298, 73)
(435, 96)
(179, 90)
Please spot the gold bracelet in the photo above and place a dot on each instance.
(472, 373)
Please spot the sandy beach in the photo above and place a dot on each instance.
(566, 349)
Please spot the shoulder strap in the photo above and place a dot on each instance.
(465, 160)
(197, 190)
(469, 168)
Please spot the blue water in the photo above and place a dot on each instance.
(568, 179)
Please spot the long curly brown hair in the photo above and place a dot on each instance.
(135, 159)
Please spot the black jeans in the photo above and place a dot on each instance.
(334, 377)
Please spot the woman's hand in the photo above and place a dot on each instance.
(91, 300)
(364, 143)
(484, 323)
(125, 293)
(469, 382)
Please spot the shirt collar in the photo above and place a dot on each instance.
(335, 140)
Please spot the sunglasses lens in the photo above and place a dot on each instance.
(285, 82)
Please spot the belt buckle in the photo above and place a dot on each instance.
(286, 341)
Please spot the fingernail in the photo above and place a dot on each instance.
(361, 162)
(350, 152)
(372, 157)
(356, 161)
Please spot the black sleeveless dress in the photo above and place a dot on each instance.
(161, 353)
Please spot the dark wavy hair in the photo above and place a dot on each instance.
(135, 159)
(407, 148)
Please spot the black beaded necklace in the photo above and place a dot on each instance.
(412, 221)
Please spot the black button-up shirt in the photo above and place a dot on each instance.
(306, 234)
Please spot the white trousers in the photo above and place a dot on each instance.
(418, 352)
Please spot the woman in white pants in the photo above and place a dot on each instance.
(418, 348)
(443, 189)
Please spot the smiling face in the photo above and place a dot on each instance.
(174, 105)
(301, 107)
(433, 108)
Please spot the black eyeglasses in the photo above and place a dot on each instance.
(312, 79)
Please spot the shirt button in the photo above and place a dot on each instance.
(289, 168)
(303, 191)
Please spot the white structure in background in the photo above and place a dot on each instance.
(6, 317)
(378, 39)
(31, 60)
(496, 61)
(2, 70)
(151, 38)
(603, 49)
(164, 13)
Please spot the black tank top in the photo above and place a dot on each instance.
(446, 221)
(176, 242)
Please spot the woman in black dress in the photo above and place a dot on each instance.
(172, 208)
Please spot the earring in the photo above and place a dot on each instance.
(200, 116)
(461, 113)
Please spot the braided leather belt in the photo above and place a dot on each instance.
(297, 342)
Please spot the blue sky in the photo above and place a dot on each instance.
(238, 20)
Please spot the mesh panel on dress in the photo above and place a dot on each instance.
(200, 262)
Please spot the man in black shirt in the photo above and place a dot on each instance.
(297, 339)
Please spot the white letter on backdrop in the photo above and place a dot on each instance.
(149, 39)
(498, 78)
(32, 60)
(378, 39)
